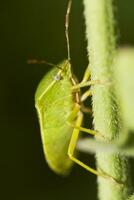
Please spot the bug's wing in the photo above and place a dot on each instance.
(53, 109)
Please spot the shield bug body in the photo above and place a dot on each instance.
(59, 107)
(54, 103)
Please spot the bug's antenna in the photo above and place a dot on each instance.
(67, 26)
(34, 61)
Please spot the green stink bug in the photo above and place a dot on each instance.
(59, 107)
(53, 104)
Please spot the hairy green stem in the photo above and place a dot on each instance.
(101, 50)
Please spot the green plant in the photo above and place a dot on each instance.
(109, 100)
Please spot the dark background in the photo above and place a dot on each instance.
(35, 29)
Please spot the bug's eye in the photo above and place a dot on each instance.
(57, 77)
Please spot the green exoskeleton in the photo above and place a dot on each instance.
(59, 106)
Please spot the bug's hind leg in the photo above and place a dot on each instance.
(71, 151)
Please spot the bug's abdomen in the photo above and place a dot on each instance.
(57, 134)
(56, 147)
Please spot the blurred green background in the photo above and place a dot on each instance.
(35, 29)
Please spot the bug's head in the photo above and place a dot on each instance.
(65, 70)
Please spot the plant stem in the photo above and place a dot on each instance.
(101, 50)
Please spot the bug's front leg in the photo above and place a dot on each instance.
(86, 82)
(86, 76)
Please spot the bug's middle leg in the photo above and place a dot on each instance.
(75, 116)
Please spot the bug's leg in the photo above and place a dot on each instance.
(86, 109)
(84, 80)
(71, 151)
(73, 114)
(86, 94)
(86, 75)
(76, 112)
(89, 83)
(86, 130)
